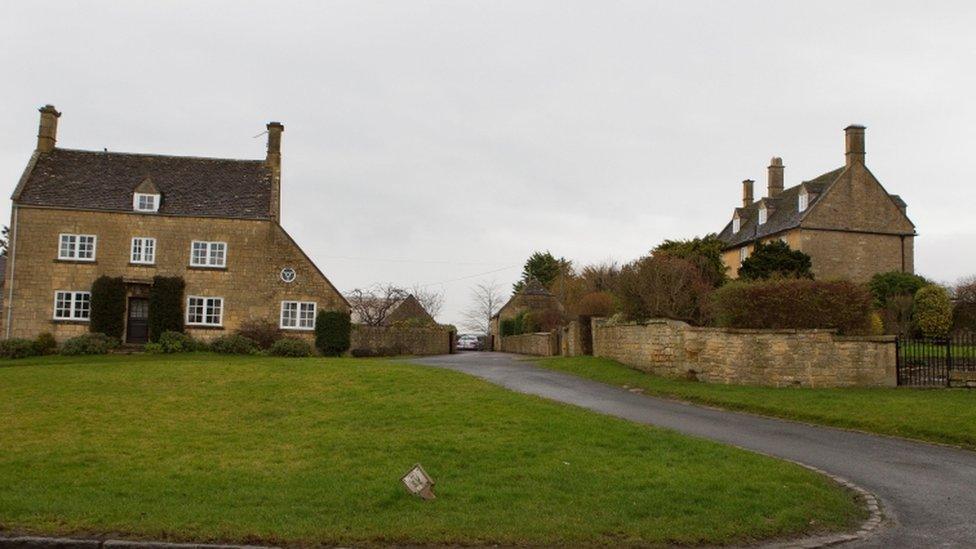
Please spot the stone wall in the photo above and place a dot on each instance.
(250, 283)
(570, 344)
(402, 340)
(779, 358)
(541, 344)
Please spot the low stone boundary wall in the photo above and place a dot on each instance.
(779, 358)
(570, 343)
(402, 340)
(540, 344)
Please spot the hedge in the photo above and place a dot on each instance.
(933, 311)
(165, 306)
(794, 304)
(333, 332)
(108, 306)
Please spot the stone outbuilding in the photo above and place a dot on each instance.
(532, 297)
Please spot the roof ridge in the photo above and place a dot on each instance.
(157, 155)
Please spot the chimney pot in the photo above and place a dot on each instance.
(774, 177)
(747, 192)
(47, 132)
(854, 144)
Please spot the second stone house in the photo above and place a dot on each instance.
(845, 220)
(215, 223)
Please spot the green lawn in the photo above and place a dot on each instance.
(257, 449)
(938, 415)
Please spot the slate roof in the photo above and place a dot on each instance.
(783, 211)
(191, 186)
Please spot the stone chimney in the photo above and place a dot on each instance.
(747, 192)
(854, 144)
(47, 133)
(774, 177)
(273, 161)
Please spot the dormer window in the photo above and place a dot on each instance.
(762, 215)
(736, 224)
(803, 201)
(142, 202)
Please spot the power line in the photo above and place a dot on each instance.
(399, 260)
(469, 276)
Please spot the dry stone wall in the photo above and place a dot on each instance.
(541, 344)
(779, 358)
(402, 340)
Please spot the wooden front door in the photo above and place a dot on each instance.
(137, 328)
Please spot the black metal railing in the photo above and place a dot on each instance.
(931, 362)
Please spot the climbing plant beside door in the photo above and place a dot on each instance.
(165, 306)
(108, 306)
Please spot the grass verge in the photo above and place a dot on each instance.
(937, 415)
(308, 451)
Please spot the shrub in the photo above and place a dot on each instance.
(176, 342)
(509, 326)
(153, 348)
(108, 306)
(291, 347)
(332, 332)
(368, 353)
(794, 304)
(597, 304)
(45, 344)
(262, 332)
(964, 311)
(884, 286)
(89, 344)
(234, 344)
(664, 287)
(775, 259)
(705, 253)
(17, 348)
(933, 311)
(541, 320)
(165, 306)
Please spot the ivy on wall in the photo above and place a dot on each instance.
(108, 306)
(165, 305)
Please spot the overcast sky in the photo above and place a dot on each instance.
(431, 142)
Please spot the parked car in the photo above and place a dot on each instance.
(468, 342)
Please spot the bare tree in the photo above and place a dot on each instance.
(486, 300)
(372, 305)
(431, 300)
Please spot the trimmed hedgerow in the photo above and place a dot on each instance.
(108, 306)
(18, 348)
(165, 306)
(89, 344)
(290, 347)
(332, 332)
(794, 304)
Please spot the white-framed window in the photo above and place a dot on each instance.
(208, 254)
(76, 247)
(762, 215)
(204, 311)
(736, 225)
(143, 250)
(297, 315)
(743, 253)
(803, 201)
(70, 305)
(143, 202)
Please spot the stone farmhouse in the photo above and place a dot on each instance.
(78, 215)
(845, 220)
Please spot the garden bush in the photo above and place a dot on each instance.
(964, 311)
(332, 332)
(107, 306)
(933, 311)
(45, 344)
(775, 259)
(378, 352)
(794, 304)
(884, 286)
(664, 287)
(234, 344)
(263, 332)
(597, 304)
(89, 344)
(165, 306)
(176, 342)
(291, 347)
(541, 320)
(509, 326)
(18, 348)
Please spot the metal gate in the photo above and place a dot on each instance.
(937, 362)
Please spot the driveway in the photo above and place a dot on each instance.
(928, 492)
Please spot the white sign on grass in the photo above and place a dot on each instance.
(418, 482)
